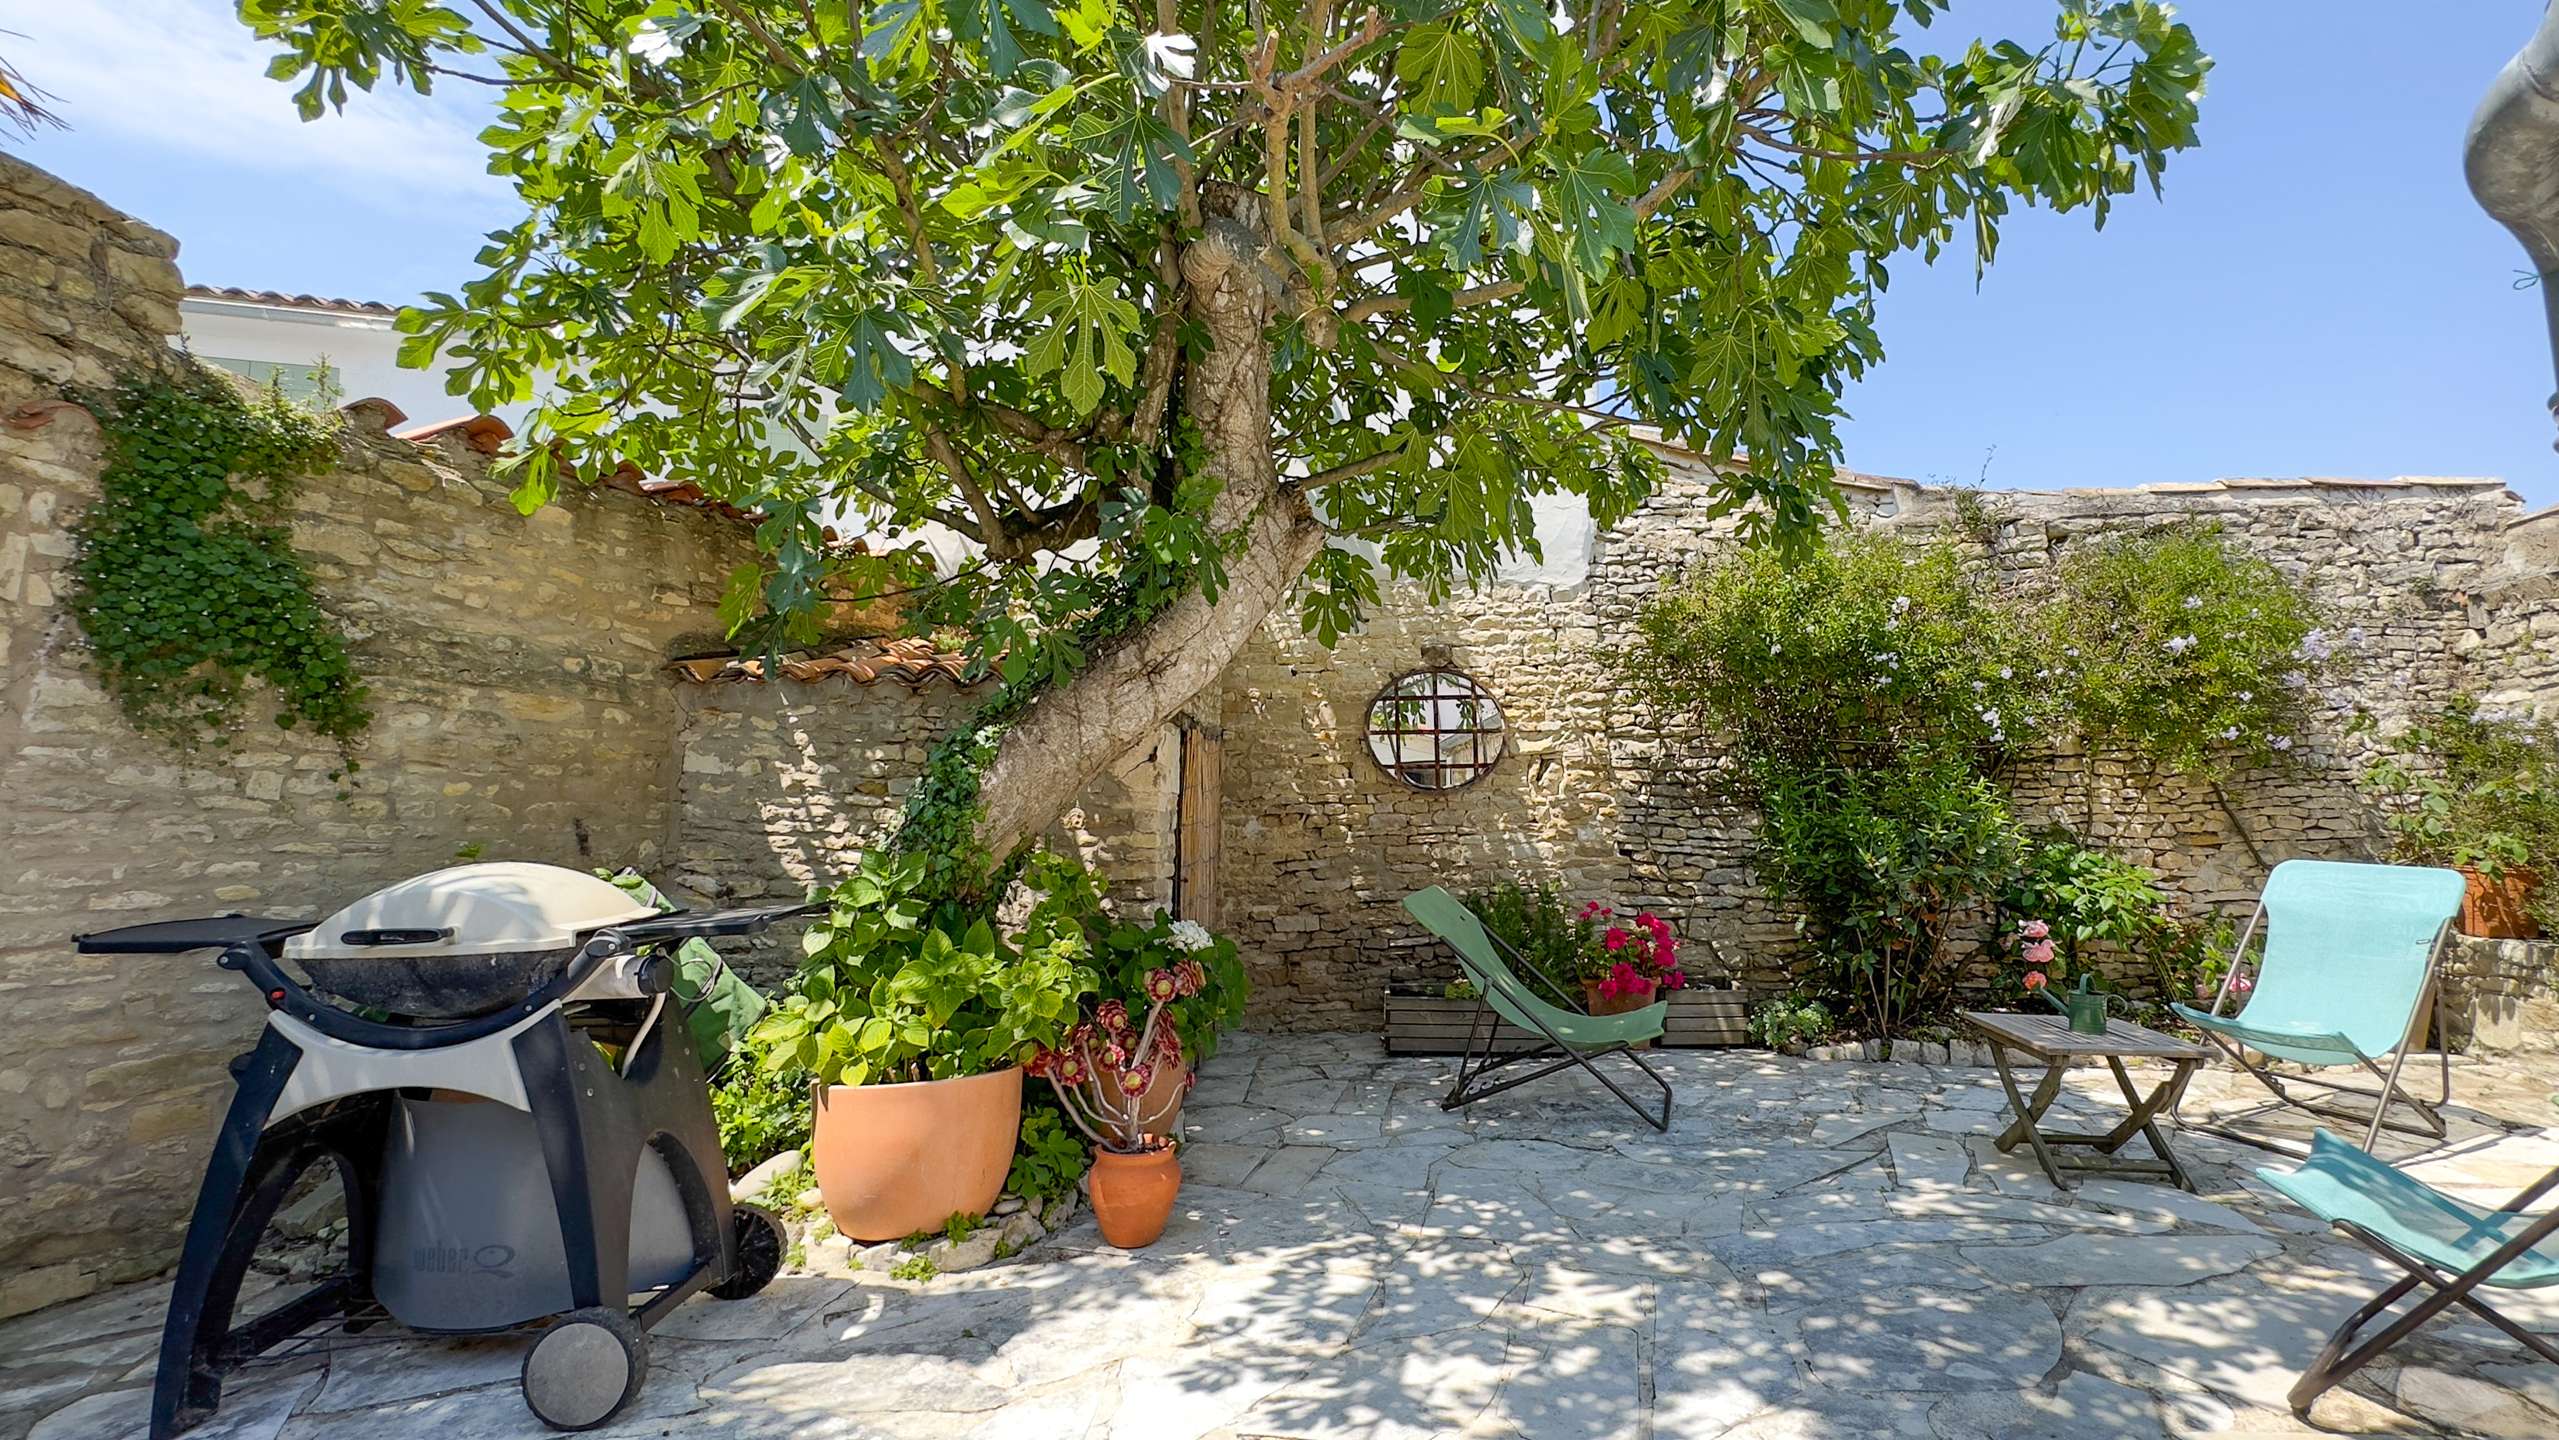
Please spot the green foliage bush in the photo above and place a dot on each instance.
(1875, 690)
(1540, 924)
(1791, 1021)
(761, 1113)
(2477, 791)
(2184, 649)
(1050, 1157)
(887, 993)
(185, 583)
(1068, 907)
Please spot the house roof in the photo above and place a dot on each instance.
(236, 295)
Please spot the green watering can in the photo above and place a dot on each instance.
(2085, 1007)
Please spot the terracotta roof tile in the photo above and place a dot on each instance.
(485, 433)
(279, 299)
(908, 661)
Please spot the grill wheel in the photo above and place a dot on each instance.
(760, 1244)
(585, 1368)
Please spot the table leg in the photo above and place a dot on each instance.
(2030, 1113)
(2145, 1116)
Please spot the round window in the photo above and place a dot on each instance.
(1436, 730)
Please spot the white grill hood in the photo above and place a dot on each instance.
(492, 908)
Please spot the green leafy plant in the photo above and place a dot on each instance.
(185, 583)
(2179, 646)
(761, 1113)
(1068, 903)
(1460, 988)
(918, 1268)
(886, 993)
(1540, 924)
(1876, 692)
(1050, 1157)
(2477, 791)
(2074, 897)
(1790, 1022)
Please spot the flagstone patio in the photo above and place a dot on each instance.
(1813, 1250)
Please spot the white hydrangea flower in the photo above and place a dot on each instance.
(1191, 937)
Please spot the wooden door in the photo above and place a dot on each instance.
(1198, 827)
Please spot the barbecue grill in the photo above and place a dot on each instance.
(522, 1133)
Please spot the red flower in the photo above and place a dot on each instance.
(1675, 980)
(1615, 939)
(2034, 979)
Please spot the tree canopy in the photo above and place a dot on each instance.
(943, 261)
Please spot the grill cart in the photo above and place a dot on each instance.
(523, 1134)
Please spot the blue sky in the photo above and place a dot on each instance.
(2316, 295)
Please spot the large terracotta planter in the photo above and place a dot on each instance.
(2495, 909)
(1133, 1195)
(895, 1159)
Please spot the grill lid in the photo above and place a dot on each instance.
(490, 908)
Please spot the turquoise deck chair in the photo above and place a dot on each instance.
(2349, 963)
(2445, 1244)
(1571, 1037)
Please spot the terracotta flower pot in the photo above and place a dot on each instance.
(2496, 909)
(1599, 1004)
(1133, 1195)
(1170, 1082)
(895, 1159)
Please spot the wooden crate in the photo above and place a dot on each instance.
(1706, 1020)
(1435, 1025)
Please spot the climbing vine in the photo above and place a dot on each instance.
(185, 582)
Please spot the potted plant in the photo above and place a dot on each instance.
(2479, 793)
(1108, 1074)
(912, 1027)
(1125, 956)
(1624, 968)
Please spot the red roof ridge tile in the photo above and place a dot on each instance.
(910, 660)
(243, 295)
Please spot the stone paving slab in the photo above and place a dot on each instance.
(1813, 1250)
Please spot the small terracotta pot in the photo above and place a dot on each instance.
(2496, 909)
(895, 1159)
(1599, 1004)
(1170, 1082)
(1133, 1195)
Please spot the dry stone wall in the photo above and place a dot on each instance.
(2429, 589)
(522, 710)
(785, 784)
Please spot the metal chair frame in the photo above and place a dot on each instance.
(2430, 1121)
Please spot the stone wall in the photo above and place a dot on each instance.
(521, 704)
(785, 784)
(1322, 844)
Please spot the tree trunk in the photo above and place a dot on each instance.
(1072, 733)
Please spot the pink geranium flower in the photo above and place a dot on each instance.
(2035, 930)
(1615, 938)
(2039, 953)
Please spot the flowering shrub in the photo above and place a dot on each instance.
(1875, 690)
(1622, 963)
(1585, 948)
(2477, 790)
(2186, 650)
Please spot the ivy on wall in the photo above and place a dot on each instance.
(185, 582)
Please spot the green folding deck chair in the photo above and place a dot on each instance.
(1571, 1037)
(2452, 1247)
(2348, 966)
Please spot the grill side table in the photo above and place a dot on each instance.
(2050, 1039)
